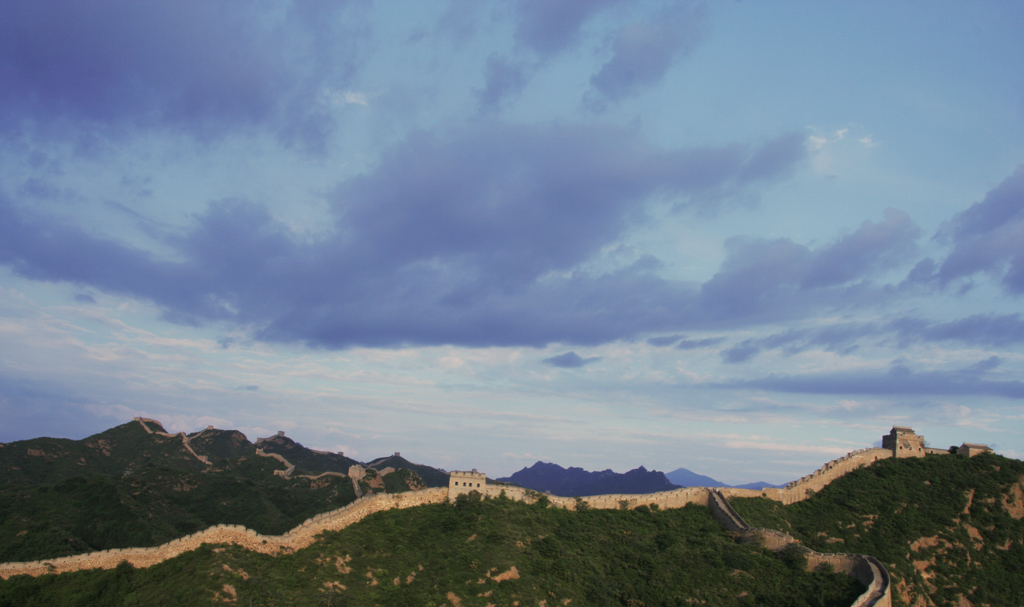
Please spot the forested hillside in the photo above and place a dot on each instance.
(473, 552)
(949, 529)
(126, 487)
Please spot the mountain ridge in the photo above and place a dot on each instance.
(977, 500)
(687, 478)
(577, 482)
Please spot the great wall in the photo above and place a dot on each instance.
(901, 442)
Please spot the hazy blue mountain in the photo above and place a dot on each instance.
(573, 482)
(688, 478)
(758, 485)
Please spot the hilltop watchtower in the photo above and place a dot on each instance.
(464, 482)
(904, 443)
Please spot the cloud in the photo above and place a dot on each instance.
(873, 246)
(547, 28)
(569, 360)
(664, 340)
(984, 330)
(503, 78)
(898, 380)
(643, 51)
(470, 237)
(681, 342)
(767, 278)
(840, 337)
(980, 329)
(989, 237)
(741, 352)
(202, 66)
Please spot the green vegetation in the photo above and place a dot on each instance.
(431, 476)
(113, 452)
(306, 461)
(419, 555)
(153, 506)
(953, 515)
(126, 488)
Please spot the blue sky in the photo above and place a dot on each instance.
(742, 238)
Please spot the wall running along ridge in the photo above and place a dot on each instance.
(866, 569)
(299, 537)
(184, 438)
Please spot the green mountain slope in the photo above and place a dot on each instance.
(948, 528)
(306, 461)
(128, 488)
(116, 451)
(431, 476)
(492, 552)
(221, 445)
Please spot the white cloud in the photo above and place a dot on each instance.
(343, 98)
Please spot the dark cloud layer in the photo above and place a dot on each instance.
(203, 66)
(467, 237)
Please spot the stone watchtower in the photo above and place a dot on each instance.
(904, 443)
(464, 482)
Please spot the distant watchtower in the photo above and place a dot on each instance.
(464, 482)
(972, 449)
(903, 442)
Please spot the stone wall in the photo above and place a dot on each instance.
(676, 498)
(810, 484)
(184, 438)
(865, 569)
(299, 537)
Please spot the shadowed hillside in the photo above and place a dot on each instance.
(127, 487)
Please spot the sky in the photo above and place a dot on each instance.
(743, 238)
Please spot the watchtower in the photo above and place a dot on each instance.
(464, 482)
(972, 449)
(903, 442)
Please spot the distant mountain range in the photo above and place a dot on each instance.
(688, 478)
(577, 482)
